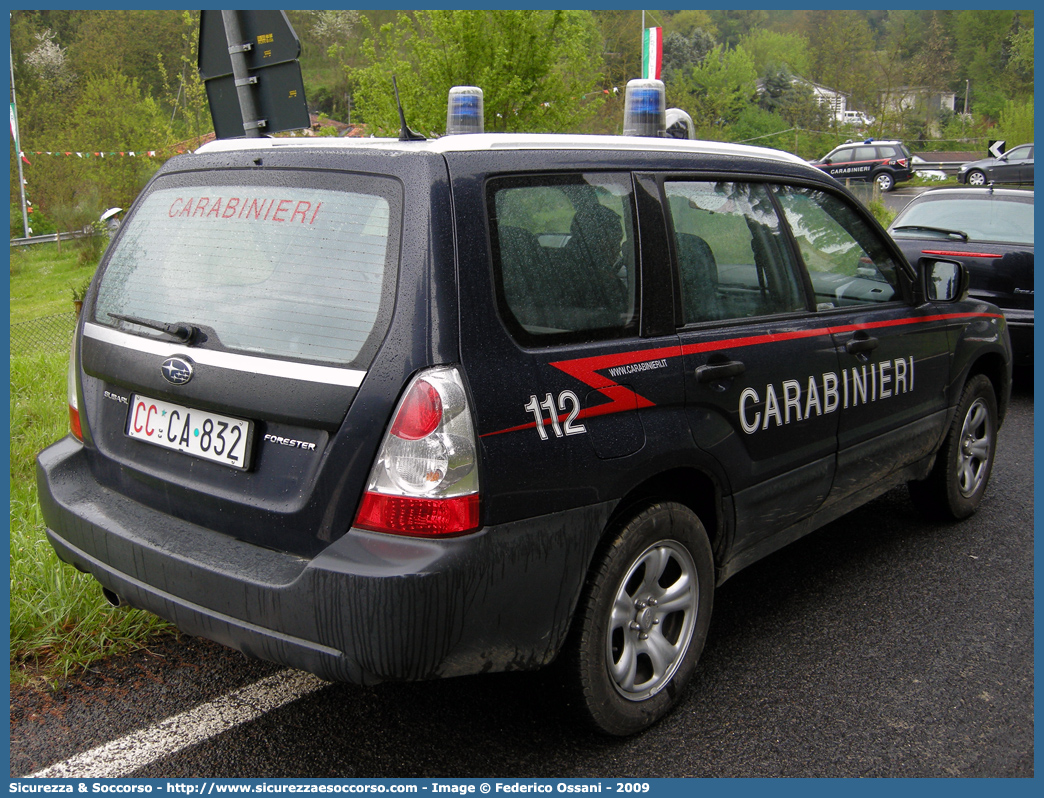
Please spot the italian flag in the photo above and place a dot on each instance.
(652, 53)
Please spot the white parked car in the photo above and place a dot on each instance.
(855, 118)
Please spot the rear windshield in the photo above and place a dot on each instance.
(298, 267)
(981, 218)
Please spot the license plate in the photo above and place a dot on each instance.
(220, 439)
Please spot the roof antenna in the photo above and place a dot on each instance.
(405, 134)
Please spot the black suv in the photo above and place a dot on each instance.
(882, 162)
(388, 409)
(990, 231)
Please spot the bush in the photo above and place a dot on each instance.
(91, 247)
(1016, 123)
(880, 211)
(39, 223)
(762, 128)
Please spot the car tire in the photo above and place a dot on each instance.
(976, 177)
(954, 488)
(884, 181)
(642, 623)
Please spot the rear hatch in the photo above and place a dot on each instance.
(990, 232)
(905, 161)
(233, 324)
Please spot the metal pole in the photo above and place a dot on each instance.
(236, 51)
(18, 147)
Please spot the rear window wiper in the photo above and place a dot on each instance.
(181, 331)
(941, 230)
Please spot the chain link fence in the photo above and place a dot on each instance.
(46, 334)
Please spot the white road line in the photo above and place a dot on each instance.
(122, 757)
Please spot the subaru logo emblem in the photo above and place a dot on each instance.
(177, 370)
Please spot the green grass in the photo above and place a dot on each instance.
(42, 279)
(922, 182)
(877, 207)
(59, 621)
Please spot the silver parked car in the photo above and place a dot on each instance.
(1014, 166)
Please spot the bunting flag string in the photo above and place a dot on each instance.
(127, 154)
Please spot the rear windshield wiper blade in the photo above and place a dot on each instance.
(942, 230)
(182, 331)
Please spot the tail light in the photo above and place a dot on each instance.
(424, 481)
(73, 402)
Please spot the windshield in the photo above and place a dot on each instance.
(982, 218)
(292, 269)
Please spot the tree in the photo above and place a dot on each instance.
(933, 64)
(715, 91)
(734, 25)
(792, 100)
(760, 127)
(680, 51)
(539, 70)
(333, 32)
(48, 61)
(1019, 71)
(114, 115)
(840, 44)
(687, 21)
(788, 51)
(979, 38)
(46, 81)
(183, 90)
(134, 42)
(775, 82)
(900, 42)
(621, 33)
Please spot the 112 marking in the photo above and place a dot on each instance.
(567, 400)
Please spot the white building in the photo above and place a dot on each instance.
(904, 98)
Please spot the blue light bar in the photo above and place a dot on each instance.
(464, 112)
(644, 108)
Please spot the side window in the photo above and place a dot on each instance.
(866, 154)
(563, 256)
(731, 259)
(841, 156)
(847, 261)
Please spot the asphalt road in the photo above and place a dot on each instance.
(881, 645)
(898, 198)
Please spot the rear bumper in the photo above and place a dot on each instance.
(369, 608)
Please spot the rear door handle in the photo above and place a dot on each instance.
(720, 371)
(858, 346)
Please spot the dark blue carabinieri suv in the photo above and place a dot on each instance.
(389, 410)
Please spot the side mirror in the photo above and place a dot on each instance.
(943, 280)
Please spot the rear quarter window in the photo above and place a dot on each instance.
(564, 256)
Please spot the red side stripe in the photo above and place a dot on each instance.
(621, 399)
(954, 254)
